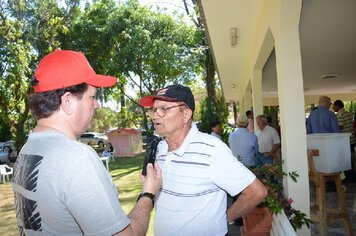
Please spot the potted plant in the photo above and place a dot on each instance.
(272, 177)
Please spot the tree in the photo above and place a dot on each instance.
(28, 31)
(15, 69)
(104, 119)
(149, 49)
(209, 114)
(128, 41)
(153, 50)
(213, 107)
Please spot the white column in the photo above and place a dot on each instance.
(257, 103)
(291, 104)
(248, 99)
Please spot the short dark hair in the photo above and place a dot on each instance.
(248, 113)
(339, 103)
(42, 105)
(214, 123)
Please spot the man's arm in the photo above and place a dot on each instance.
(140, 214)
(334, 124)
(250, 197)
(309, 126)
(273, 151)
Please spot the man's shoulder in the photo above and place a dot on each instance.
(344, 113)
(205, 138)
(59, 145)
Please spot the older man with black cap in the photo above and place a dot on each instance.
(198, 170)
(60, 184)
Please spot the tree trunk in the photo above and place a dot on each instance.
(20, 136)
(210, 79)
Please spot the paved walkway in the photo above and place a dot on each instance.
(336, 228)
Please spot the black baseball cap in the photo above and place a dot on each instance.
(171, 93)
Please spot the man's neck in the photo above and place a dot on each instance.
(54, 125)
(175, 140)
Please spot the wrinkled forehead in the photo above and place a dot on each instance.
(160, 103)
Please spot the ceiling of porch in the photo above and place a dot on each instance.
(327, 39)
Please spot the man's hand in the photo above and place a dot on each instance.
(267, 154)
(152, 182)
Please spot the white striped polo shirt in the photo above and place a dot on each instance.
(196, 178)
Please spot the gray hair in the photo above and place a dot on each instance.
(324, 100)
(261, 117)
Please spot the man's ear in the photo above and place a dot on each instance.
(187, 114)
(67, 103)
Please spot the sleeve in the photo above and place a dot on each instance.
(334, 124)
(275, 136)
(255, 144)
(92, 198)
(340, 119)
(228, 173)
(309, 127)
(230, 140)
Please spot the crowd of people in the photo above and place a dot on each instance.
(68, 191)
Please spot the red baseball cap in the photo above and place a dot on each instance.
(65, 68)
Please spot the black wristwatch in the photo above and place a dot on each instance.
(149, 195)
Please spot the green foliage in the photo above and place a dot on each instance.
(126, 40)
(272, 176)
(5, 132)
(147, 48)
(226, 131)
(104, 119)
(209, 113)
(28, 30)
(127, 119)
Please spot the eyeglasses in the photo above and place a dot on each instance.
(162, 111)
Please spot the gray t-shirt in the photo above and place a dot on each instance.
(62, 188)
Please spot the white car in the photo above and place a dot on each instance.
(92, 138)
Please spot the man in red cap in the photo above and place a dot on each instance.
(61, 187)
(198, 170)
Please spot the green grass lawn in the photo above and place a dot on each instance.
(126, 176)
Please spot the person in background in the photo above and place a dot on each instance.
(243, 144)
(322, 120)
(215, 127)
(108, 151)
(268, 141)
(60, 185)
(250, 126)
(345, 120)
(198, 171)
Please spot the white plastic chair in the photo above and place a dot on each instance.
(106, 161)
(6, 171)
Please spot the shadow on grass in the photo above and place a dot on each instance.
(7, 208)
(124, 166)
(127, 162)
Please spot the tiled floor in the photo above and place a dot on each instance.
(335, 228)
